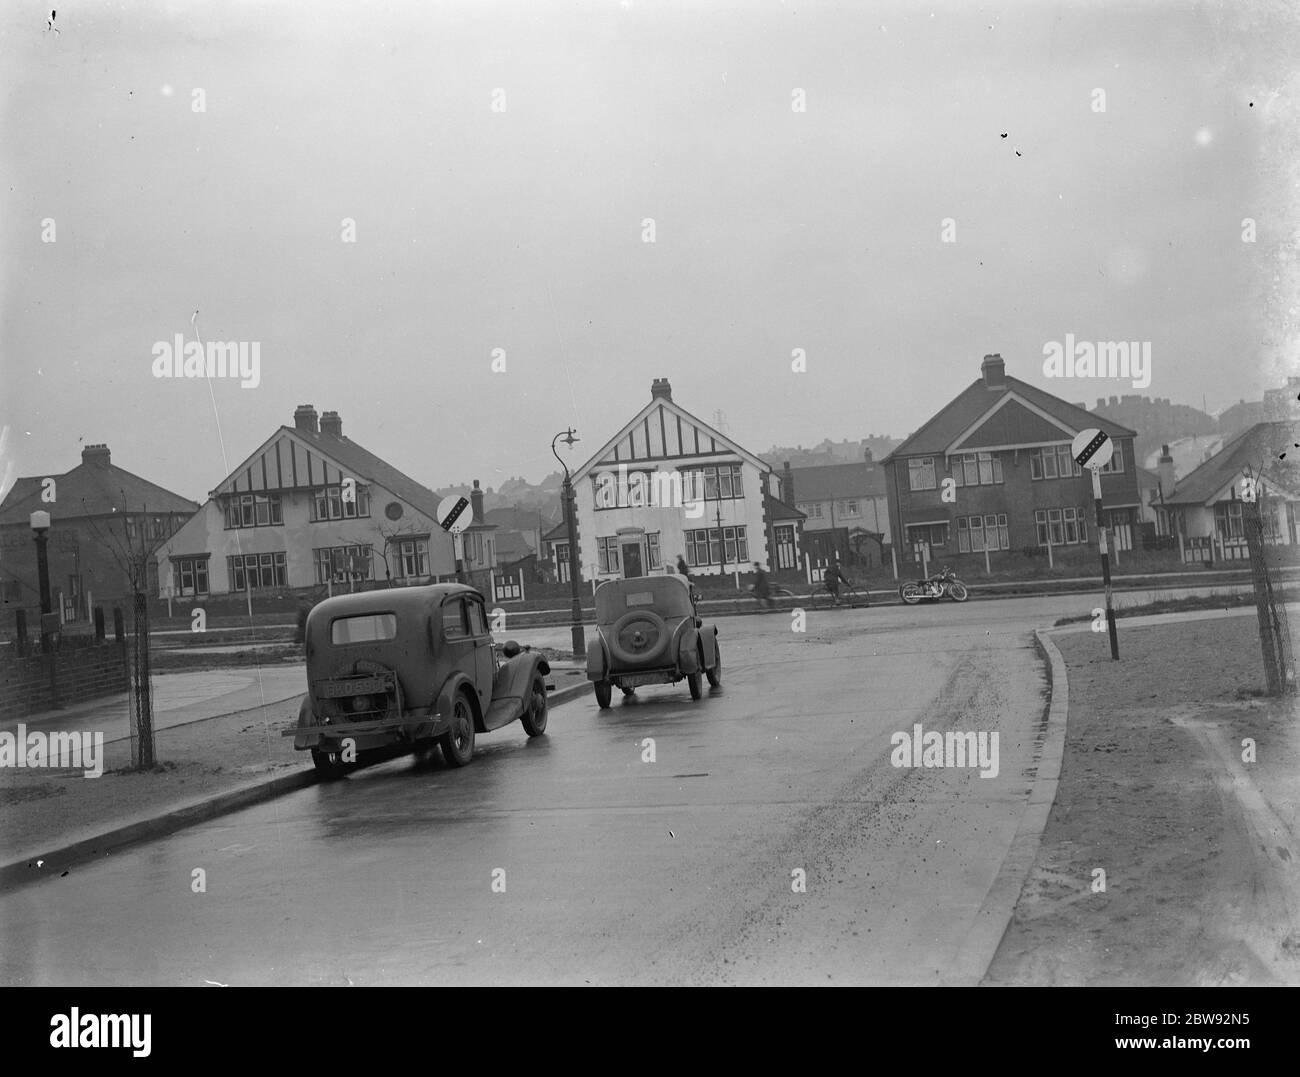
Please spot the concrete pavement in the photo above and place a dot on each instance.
(178, 698)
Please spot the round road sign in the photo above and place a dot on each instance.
(454, 513)
(1092, 448)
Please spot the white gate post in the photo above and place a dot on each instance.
(893, 556)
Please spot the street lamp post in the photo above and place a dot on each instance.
(40, 522)
(570, 520)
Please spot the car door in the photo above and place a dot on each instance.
(484, 656)
(459, 646)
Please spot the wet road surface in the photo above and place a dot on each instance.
(568, 859)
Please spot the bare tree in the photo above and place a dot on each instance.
(131, 542)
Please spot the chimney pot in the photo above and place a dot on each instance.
(994, 371)
(304, 418)
(98, 455)
(661, 388)
(476, 501)
(332, 424)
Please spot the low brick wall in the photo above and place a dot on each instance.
(81, 673)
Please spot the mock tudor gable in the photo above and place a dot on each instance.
(668, 484)
(309, 507)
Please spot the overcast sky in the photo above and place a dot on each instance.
(521, 229)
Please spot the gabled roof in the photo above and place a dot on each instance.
(664, 431)
(835, 482)
(511, 546)
(558, 533)
(975, 403)
(779, 510)
(348, 459)
(1257, 447)
(93, 488)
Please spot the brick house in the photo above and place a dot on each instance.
(1006, 447)
(845, 509)
(101, 516)
(310, 508)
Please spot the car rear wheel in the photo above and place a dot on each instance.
(329, 764)
(693, 683)
(715, 674)
(458, 742)
(604, 693)
(534, 717)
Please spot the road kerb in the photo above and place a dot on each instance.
(51, 864)
(995, 913)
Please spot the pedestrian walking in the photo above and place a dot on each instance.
(761, 590)
(682, 569)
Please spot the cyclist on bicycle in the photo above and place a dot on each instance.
(832, 577)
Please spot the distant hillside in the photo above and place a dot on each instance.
(517, 493)
(1156, 420)
(831, 452)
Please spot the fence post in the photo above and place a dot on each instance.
(807, 567)
(119, 627)
(1051, 562)
(522, 597)
(893, 556)
(99, 624)
(987, 571)
(20, 631)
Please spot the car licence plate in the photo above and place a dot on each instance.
(358, 686)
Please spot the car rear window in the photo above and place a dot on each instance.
(640, 598)
(364, 628)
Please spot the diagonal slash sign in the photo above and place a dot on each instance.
(1090, 450)
(455, 514)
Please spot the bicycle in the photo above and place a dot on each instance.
(773, 593)
(849, 595)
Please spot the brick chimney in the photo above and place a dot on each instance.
(787, 484)
(331, 424)
(869, 459)
(476, 500)
(96, 456)
(660, 388)
(1165, 469)
(304, 418)
(994, 372)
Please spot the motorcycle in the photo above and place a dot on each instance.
(940, 584)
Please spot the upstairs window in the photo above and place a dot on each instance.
(920, 473)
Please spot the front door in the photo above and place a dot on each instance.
(632, 560)
(784, 546)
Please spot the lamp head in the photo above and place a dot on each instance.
(40, 521)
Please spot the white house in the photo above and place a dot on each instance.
(1207, 507)
(668, 484)
(310, 507)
